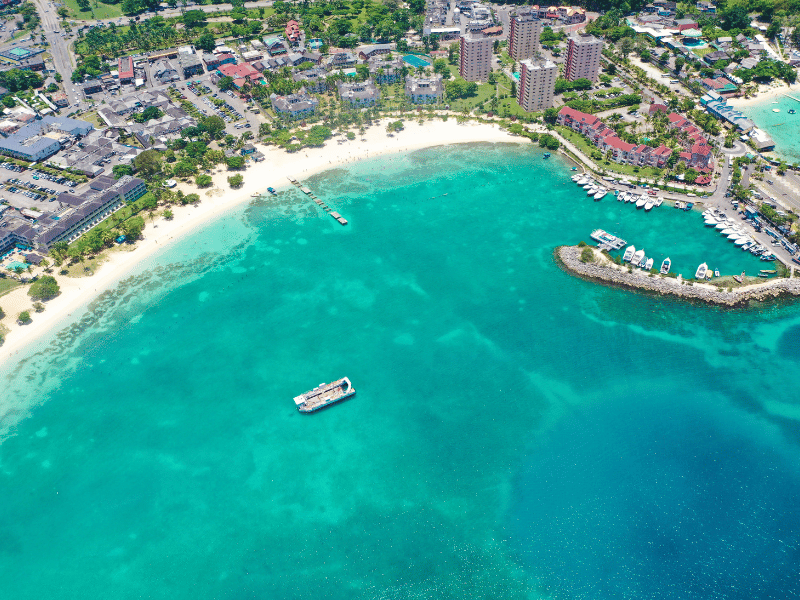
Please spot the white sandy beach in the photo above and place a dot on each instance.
(76, 293)
(766, 93)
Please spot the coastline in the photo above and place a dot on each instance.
(77, 293)
(608, 273)
(766, 93)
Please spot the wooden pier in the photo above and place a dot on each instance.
(318, 202)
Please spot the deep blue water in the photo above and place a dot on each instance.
(517, 433)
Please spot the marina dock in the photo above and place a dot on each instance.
(318, 202)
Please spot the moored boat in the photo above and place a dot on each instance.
(716, 272)
(641, 202)
(600, 194)
(701, 271)
(665, 266)
(648, 264)
(648, 205)
(324, 395)
(272, 191)
(637, 257)
(629, 252)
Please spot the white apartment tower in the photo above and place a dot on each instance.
(523, 40)
(583, 57)
(537, 84)
(476, 57)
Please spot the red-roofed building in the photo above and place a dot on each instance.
(654, 108)
(125, 68)
(292, 31)
(241, 73)
(703, 180)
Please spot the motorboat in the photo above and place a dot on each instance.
(601, 194)
(648, 205)
(641, 202)
(592, 191)
(701, 271)
(591, 183)
(649, 264)
(728, 231)
(689, 205)
(659, 200)
(716, 272)
(575, 177)
(637, 257)
(722, 225)
(665, 266)
(622, 197)
(741, 241)
(629, 252)
(711, 222)
(679, 204)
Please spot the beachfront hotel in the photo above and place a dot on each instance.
(523, 40)
(476, 57)
(583, 57)
(537, 84)
(424, 90)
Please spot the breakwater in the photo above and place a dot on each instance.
(606, 272)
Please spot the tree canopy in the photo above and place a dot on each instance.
(44, 288)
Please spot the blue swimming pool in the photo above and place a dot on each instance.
(416, 61)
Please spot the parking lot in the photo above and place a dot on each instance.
(235, 112)
(30, 188)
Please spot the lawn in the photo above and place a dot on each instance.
(7, 284)
(485, 91)
(584, 146)
(94, 119)
(98, 10)
(701, 52)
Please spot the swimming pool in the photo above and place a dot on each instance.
(416, 61)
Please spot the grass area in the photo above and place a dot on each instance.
(88, 267)
(7, 284)
(98, 10)
(485, 91)
(701, 52)
(587, 148)
(93, 118)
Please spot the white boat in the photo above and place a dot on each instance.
(629, 252)
(575, 177)
(679, 204)
(600, 195)
(728, 231)
(741, 241)
(592, 191)
(637, 257)
(701, 271)
(716, 272)
(608, 179)
(735, 235)
(723, 225)
(588, 185)
(648, 205)
(659, 201)
(622, 197)
(665, 266)
(641, 202)
(711, 222)
(649, 264)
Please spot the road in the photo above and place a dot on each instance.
(63, 60)
(174, 12)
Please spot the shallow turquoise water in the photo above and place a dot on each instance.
(781, 126)
(517, 433)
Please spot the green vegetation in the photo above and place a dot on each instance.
(44, 288)
(7, 284)
(235, 181)
(83, 9)
(587, 255)
(24, 317)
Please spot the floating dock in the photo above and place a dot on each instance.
(606, 241)
(319, 202)
(324, 395)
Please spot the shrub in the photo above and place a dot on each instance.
(24, 317)
(203, 180)
(587, 255)
(38, 307)
(236, 181)
(44, 288)
(581, 244)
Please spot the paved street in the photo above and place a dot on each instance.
(59, 46)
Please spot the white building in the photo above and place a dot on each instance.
(476, 57)
(523, 39)
(583, 57)
(424, 90)
(537, 84)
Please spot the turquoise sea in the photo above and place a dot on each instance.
(517, 432)
(781, 126)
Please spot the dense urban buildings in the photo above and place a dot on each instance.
(523, 39)
(583, 57)
(537, 84)
(476, 57)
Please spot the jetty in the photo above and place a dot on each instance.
(317, 201)
(606, 272)
(324, 395)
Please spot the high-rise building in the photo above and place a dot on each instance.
(537, 84)
(523, 40)
(583, 57)
(476, 57)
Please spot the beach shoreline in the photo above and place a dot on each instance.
(766, 93)
(273, 171)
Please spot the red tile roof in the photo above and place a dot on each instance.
(240, 71)
(617, 143)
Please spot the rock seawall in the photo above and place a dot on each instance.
(568, 258)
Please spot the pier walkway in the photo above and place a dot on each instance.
(318, 202)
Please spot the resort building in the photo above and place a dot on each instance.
(384, 69)
(476, 57)
(15, 232)
(43, 138)
(314, 80)
(537, 84)
(583, 57)
(523, 40)
(358, 94)
(241, 73)
(91, 208)
(424, 90)
(368, 52)
(294, 106)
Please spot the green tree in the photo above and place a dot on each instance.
(214, 125)
(44, 288)
(205, 42)
(587, 255)
(235, 181)
(9, 102)
(148, 163)
(120, 170)
(235, 162)
(626, 46)
(24, 317)
(203, 181)
(225, 83)
(168, 214)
